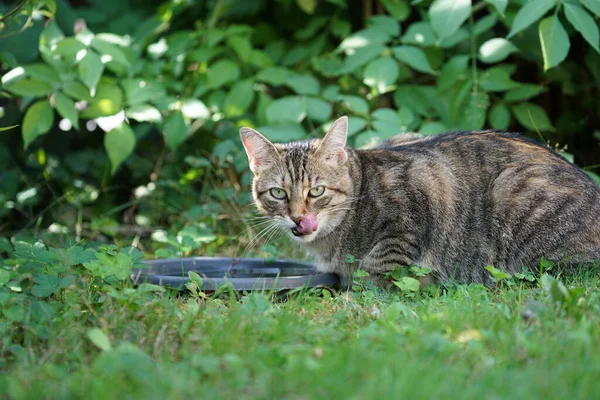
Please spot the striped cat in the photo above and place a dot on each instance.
(454, 203)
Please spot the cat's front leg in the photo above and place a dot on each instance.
(385, 256)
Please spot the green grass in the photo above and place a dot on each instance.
(464, 342)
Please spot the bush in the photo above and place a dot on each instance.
(126, 93)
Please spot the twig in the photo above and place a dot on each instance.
(13, 11)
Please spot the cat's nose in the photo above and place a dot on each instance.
(296, 219)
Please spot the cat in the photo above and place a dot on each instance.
(453, 203)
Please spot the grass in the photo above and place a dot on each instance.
(539, 340)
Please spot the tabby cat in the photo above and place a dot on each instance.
(454, 203)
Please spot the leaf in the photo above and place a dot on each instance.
(453, 70)
(384, 23)
(583, 23)
(528, 14)
(144, 113)
(399, 9)
(14, 312)
(76, 91)
(355, 103)
(319, 110)
(8, 128)
(499, 116)
(38, 120)
(381, 73)
(287, 109)
(107, 101)
(495, 50)
(592, 5)
(119, 143)
(274, 75)
(448, 15)
(432, 128)
(532, 117)
(355, 125)
(419, 33)
(303, 84)
(99, 339)
(45, 285)
(408, 284)
(33, 252)
(4, 276)
(194, 109)
(364, 38)
(30, 87)
(283, 132)
(475, 111)
(113, 51)
(195, 278)
(142, 91)
(222, 72)
(496, 79)
(499, 5)
(90, 69)
(78, 256)
(175, 131)
(42, 72)
(360, 57)
(239, 99)
(308, 6)
(414, 57)
(554, 40)
(66, 109)
(524, 91)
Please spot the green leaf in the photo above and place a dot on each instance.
(78, 256)
(528, 14)
(239, 99)
(14, 312)
(416, 98)
(384, 23)
(432, 128)
(222, 72)
(175, 131)
(583, 23)
(241, 45)
(387, 122)
(76, 91)
(419, 33)
(448, 15)
(364, 38)
(30, 87)
(119, 144)
(66, 109)
(286, 109)
(107, 101)
(195, 278)
(319, 110)
(45, 285)
(360, 57)
(308, 6)
(499, 5)
(4, 276)
(496, 79)
(283, 132)
(42, 72)
(408, 284)
(381, 73)
(194, 109)
(532, 117)
(38, 120)
(355, 103)
(524, 91)
(144, 113)
(355, 125)
(592, 5)
(475, 111)
(453, 71)
(113, 51)
(99, 339)
(90, 69)
(414, 57)
(303, 84)
(554, 40)
(8, 128)
(274, 75)
(399, 9)
(139, 91)
(495, 50)
(499, 116)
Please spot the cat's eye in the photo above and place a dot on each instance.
(278, 193)
(316, 191)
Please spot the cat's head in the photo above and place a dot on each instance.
(304, 186)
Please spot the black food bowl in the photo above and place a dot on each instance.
(241, 274)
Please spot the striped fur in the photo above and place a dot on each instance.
(454, 202)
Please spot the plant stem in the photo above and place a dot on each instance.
(12, 12)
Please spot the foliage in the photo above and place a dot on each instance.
(173, 82)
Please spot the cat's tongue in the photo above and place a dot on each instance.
(308, 224)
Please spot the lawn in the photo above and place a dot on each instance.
(96, 340)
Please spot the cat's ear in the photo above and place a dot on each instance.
(333, 145)
(260, 151)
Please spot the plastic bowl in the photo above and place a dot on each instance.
(241, 274)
